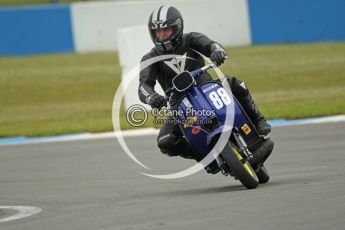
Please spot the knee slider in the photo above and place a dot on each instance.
(166, 143)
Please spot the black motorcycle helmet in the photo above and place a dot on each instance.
(165, 17)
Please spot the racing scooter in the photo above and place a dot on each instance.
(244, 151)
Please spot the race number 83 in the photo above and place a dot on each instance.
(219, 98)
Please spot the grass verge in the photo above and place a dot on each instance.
(68, 93)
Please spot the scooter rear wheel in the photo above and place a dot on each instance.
(263, 175)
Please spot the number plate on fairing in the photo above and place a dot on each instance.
(217, 97)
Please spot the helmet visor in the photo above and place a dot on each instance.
(163, 34)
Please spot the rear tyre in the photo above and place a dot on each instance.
(263, 175)
(240, 166)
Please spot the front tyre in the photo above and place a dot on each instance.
(240, 166)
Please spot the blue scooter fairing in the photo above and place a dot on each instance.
(202, 129)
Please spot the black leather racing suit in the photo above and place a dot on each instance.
(170, 138)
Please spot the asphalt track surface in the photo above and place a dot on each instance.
(92, 185)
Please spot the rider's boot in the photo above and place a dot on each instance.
(213, 167)
(255, 115)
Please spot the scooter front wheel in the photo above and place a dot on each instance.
(239, 166)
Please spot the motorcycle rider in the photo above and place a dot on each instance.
(166, 29)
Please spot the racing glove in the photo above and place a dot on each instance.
(219, 55)
(157, 101)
